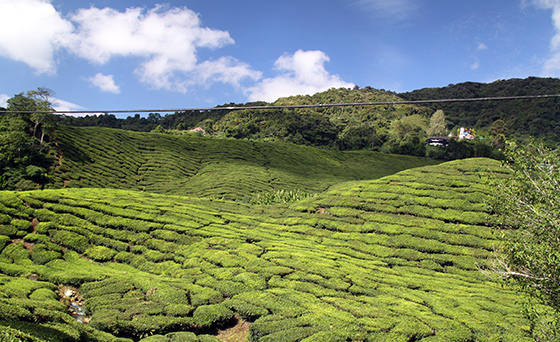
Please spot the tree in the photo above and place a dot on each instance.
(437, 124)
(36, 109)
(24, 149)
(498, 131)
(527, 202)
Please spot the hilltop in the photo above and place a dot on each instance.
(537, 118)
(389, 128)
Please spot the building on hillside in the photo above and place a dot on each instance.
(437, 141)
(466, 134)
(198, 129)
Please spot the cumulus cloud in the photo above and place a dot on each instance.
(552, 65)
(164, 41)
(3, 99)
(302, 73)
(482, 46)
(105, 83)
(62, 106)
(226, 70)
(31, 31)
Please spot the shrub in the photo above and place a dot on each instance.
(5, 219)
(204, 295)
(41, 255)
(206, 316)
(100, 253)
(71, 240)
(4, 241)
(155, 338)
(22, 225)
(16, 253)
(182, 336)
(44, 294)
(178, 309)
(8, 230)
(45, 227)
(248, 311)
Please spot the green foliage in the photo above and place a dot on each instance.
(201, 167)
(100, 253)
(528, 202)
(280, 196)
(535, 118)
(212, 315)
(70, 239)
(437, 124)
(396, 258)
(25, 152)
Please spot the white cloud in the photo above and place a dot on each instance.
(226, 70)
(105, 83)
(61, 105)
(303, 73)
(166, 39)
(475, 65)
(393, 10)
(482, 46)
(31, 31)
(552, 66)
(3, 99)
(164, 42)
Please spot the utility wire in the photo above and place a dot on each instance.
(381, 103)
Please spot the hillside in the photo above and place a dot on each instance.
(349, 128)
(205, 167)
(389, 128)
(392, 259)
(538, 118)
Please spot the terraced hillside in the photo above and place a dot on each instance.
(393, 259)
(204, 167)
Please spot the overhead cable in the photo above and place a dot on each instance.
(379, 103)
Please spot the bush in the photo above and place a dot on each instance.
(206, 316)
(45, 227)
(248, 311)
(8, 230)
(182, 336)
(100, 253)
(41, 255)
(16, 253)
(5, 219)
(22, 225)
(4, 241)
(71, 240)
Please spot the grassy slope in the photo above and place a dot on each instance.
(232, 169)
(393, 259)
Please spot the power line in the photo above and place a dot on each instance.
(380, 103)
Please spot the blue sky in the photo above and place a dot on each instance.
(124, 54)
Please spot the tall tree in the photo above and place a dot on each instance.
(437, 125)
(528, 203)
(498, 131)
(24, 149)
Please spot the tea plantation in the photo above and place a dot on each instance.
(209, 167)
(397, 258)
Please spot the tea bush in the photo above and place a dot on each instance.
(100, 253)
(389, 259)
